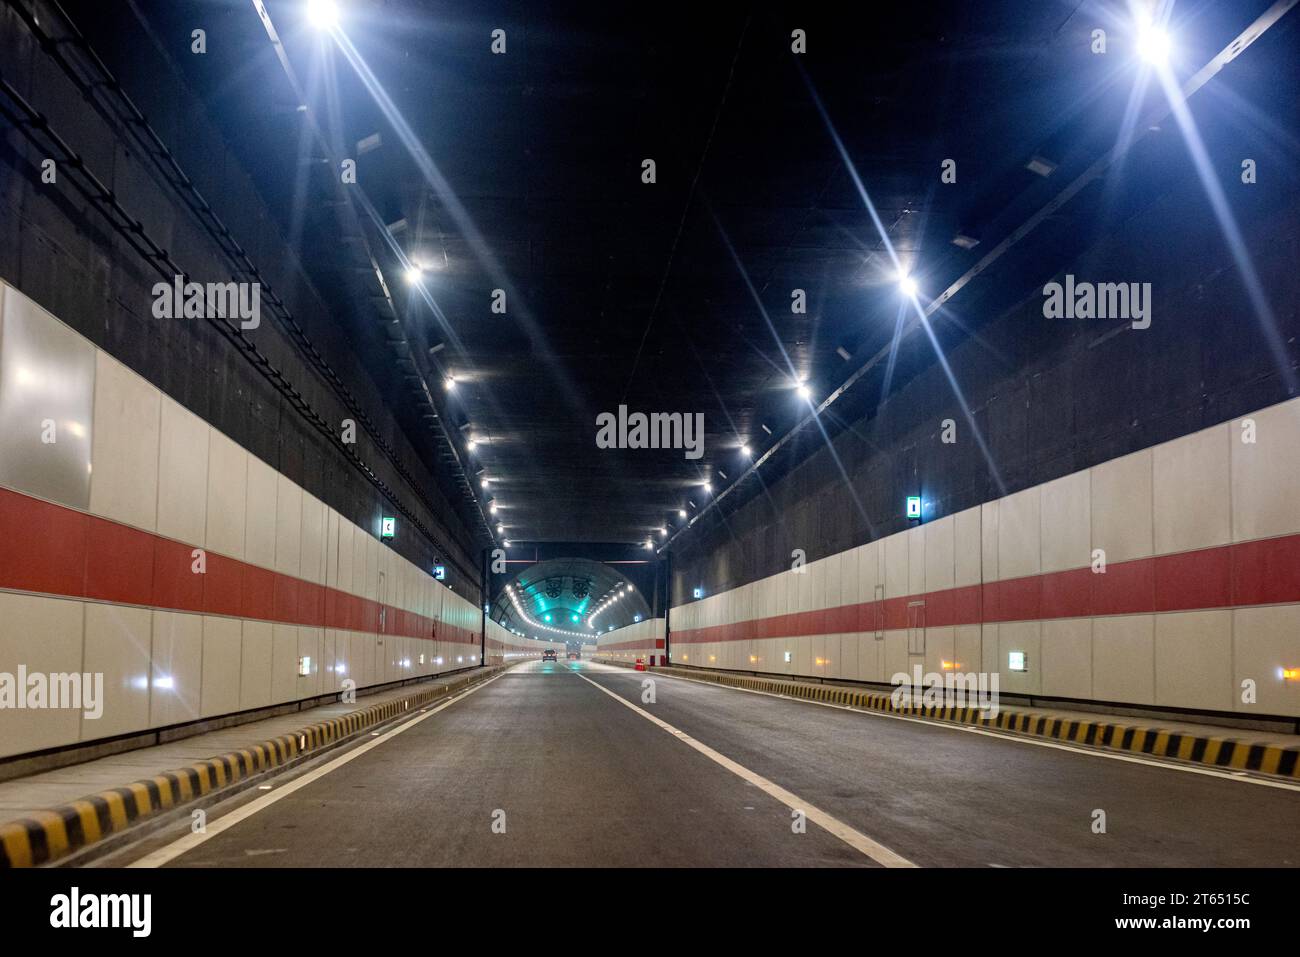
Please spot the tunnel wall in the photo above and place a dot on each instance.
(503, 647)
(63, 252)
(1200, 593)
(98, 531)
(642, 639)
(1047, 398)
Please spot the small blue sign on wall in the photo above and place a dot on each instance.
(440, 572)
(387, 527)
(913, 506)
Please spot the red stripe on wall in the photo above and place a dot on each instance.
(56, 550)
(633, 643)
(1262, 572)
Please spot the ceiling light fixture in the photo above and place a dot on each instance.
(1153, 42)
(1040, 166)
(323, 14)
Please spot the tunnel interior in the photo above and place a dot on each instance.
(796, 436)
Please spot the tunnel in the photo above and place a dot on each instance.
(443, 442)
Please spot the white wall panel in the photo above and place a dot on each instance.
(177, 660)
(47, 382)
(227, 496)
(259, 514)
(1121, 507)
(288, 527)
(119, 639)
(284, 662)
(255, 665)
(1066, 523)
(1067, 657)
(1191, 501)
(1018, 524)
(1264, 497)
(1123, 662)
(967, 547)
(222, 654)
(940, 557)
(45, 636)
(1020, 636)
(1264, 641)
(182, 474)
(312, 557)
(1194, 660)
(128, 410)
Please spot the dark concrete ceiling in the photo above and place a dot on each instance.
(676, 296)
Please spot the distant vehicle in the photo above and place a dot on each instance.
(574, 656)
(549, 655)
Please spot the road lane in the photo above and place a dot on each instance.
(942, 796)
(582, 781)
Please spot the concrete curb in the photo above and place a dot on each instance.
(1131, 737)
(55, 833)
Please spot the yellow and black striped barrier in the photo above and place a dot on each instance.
(1220, 752)
(48, 835)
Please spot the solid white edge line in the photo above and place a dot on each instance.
(850, 836)
(1167, 763)
(165, 855)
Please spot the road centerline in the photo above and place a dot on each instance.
(849, 835)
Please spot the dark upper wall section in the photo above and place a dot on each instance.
(1049, 396)
(61, 250)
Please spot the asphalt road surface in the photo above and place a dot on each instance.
(546, 766)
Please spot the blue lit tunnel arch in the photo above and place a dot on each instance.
(568, 599)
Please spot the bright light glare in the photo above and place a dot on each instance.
(804, 391)
(1154, 44)
(323, 14)
(907, 285)
(413, 273)
(450, 382)
(745, 451)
